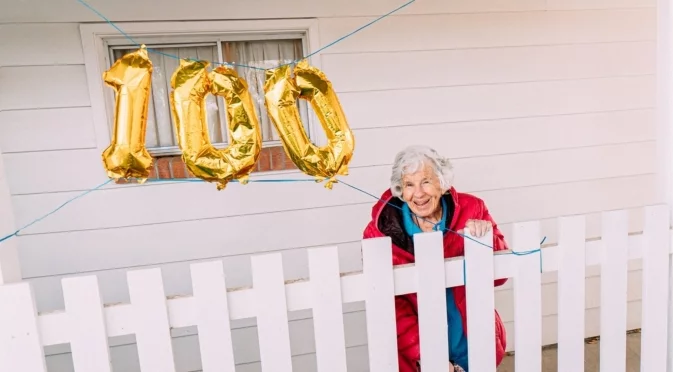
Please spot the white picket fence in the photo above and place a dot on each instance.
(86, 324)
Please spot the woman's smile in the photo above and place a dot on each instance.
(423, 193)
(422, 203)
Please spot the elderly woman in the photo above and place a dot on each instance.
(421, 199)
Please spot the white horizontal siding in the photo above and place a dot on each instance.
(40, 87)
(431, 105)
(46, 129)
(599, 4)
(36, 130)
(496, 85)
(49, 44)
(59, 44)
(444, 68)
(52, 254)
(490, 102)
(68, 11)
(493, 137)
(515, 170)
(489, 30)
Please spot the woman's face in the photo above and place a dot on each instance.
(422, 192)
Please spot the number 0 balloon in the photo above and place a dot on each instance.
(191, 83)
(311, 84)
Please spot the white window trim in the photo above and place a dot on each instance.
(96, 37)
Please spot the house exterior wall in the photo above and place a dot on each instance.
(10, 269)
(546, 107)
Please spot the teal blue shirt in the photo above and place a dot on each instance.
(457, 338)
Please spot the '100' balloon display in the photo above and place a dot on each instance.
(130, 77)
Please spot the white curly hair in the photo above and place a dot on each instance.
(412, 159)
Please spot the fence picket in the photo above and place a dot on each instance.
(88, 336)
(20, 346)
(527, 298)
(432, 327)
(571, 288)
(480, 303)
(615, 228)
(377, 258)
(328, 318)
(153, 335)
(272, 323)
(210, 295)
(655, 291)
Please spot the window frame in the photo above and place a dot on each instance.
(97, 38)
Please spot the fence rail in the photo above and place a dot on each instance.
(86, 324)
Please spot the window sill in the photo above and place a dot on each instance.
(271, 159)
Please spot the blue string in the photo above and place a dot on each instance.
(131, 39)
(361, 28)
(16, 233)
(436, 226)
(280, 180)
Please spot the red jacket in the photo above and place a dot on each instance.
(387, 221)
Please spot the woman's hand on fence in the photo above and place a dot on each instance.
(478, 228)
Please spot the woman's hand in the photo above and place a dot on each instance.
(478, 228)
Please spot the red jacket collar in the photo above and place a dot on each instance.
(387, 196)
(400, 255)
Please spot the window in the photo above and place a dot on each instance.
(260, 44)
(161, 138)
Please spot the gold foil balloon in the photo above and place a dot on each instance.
(131, 78)
(191, 84)
(281, 93)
